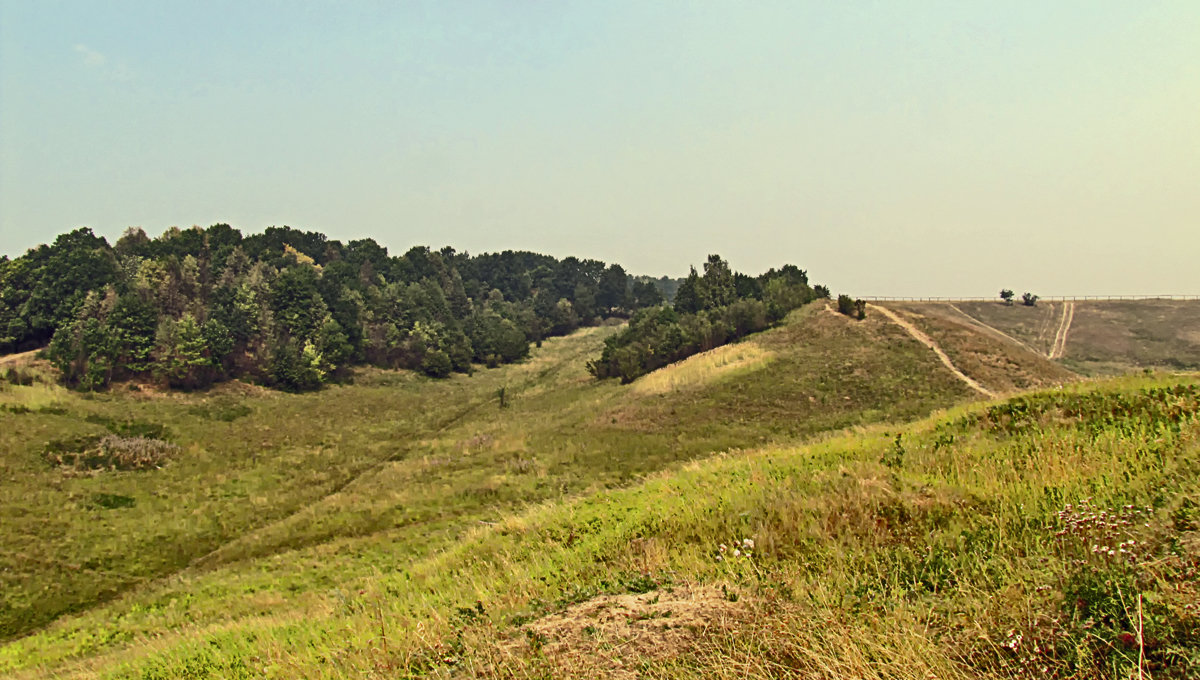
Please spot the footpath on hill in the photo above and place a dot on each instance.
(941, 355)
(1064, 327)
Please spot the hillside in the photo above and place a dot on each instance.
(922, 549)
(1102, 337)
(350, 532)
(397, 460)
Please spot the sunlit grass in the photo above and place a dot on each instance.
(884, 553)
(703, 368)
(327, 523)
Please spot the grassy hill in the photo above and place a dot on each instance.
(395, 463)
(1103, 338)
(400, 526)
(994, 360)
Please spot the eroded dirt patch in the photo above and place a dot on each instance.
(612, 636)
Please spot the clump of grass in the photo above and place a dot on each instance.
(112, 452)
(129, 428)
(18, 376)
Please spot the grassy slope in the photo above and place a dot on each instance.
(930, 553)
(1110, 337)
(1034, 326)
(303, 496)
(998, 364)
(1106, 337)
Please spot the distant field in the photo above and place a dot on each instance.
(1033, 326)
(993, 360)
(1104, 337)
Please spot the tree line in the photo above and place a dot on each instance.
(709, 310)
(293, 309)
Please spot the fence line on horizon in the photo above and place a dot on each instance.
(1046, 298)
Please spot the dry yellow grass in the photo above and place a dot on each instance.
(704, 368)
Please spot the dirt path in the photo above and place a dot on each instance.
(1064, 327)
(928, 342)
(995, 332)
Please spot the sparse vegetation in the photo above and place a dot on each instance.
(112, 452)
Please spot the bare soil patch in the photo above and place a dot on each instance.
(613, 635)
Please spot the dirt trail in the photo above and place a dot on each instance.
(995, 332)
(928, 342)
(1064, 327)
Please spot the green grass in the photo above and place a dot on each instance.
(880, 553)
(303, 493)
(401, 527)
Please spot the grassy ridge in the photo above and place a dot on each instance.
(277, 498)
(384, 529)
(953, 547)
(995, 362)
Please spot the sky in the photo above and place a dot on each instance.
(888, 148)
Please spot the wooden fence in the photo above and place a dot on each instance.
(1046, 298)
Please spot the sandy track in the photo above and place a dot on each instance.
(928, 342)
(1064, 327)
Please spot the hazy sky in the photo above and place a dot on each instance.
(889, 148)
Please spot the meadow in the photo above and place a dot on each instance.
(774, 519)
(386, 469)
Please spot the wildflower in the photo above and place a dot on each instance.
(748, 543)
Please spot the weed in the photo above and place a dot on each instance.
(537, 641)
(110, 452)
(895, 457)
(112, 501)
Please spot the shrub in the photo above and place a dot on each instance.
(851, 307)
(437, 364)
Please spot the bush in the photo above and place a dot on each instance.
(1029, 299)
(18, 377)
(851, 307)
(437, 364)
